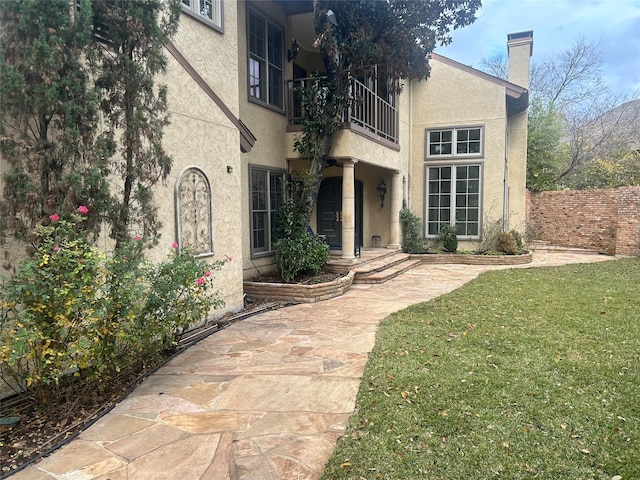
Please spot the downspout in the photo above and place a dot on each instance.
(406, 183)
(505, 193)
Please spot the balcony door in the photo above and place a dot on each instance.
(330, 211)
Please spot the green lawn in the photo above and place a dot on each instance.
(523, 373)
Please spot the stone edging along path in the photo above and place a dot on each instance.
(294, 293)
(464, 259)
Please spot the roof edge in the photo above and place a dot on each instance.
(247, 139)
(513, 90)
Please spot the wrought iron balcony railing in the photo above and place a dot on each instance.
(366, 110)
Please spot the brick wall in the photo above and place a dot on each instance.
(607, 220)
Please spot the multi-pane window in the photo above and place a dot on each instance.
(266, 55)
(209, 11)
(453, 198)
(456, 142)
(266, 198)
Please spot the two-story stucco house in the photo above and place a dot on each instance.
(452, 149)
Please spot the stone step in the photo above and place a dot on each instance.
(382, 275)
(337, 265)
(378, 264)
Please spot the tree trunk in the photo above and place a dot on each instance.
(324, 141)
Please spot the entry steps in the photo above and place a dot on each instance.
(381, 269)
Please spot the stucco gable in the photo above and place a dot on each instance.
(517, 97)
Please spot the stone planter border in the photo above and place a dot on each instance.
(294, 293)
(466, 259)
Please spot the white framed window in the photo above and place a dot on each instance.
(266, 60)
(453, 197)
(455, 142)
(207, 11)
(267, 193)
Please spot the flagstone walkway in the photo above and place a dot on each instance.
(264, 399)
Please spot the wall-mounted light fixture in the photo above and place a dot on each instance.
(229, 169)
(293, 52)
(382, 190)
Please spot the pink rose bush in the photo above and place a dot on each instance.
(123, 311)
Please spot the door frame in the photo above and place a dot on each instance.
(359, 189)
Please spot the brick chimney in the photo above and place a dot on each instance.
(520, 48)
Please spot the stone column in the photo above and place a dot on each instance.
(348, 209)
(396, 206)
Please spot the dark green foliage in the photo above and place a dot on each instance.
(299, 254)
(297, 249)
(412, 240)
(127, 61)
(449, 238)
(370, 32)
(323, 102)
(395, 35)
(48, 117)
(50, 108)
(545, 146)
(291, 218)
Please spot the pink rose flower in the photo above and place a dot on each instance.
(174, 245)
(230, 258)
(82, 209)
(138, 238)
(54, 217)
(207, 273)
(56, 248)
(201, 281)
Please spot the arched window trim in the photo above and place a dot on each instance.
(209, 205)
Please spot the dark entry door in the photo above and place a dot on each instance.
(330, 211)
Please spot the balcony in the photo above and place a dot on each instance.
(368, 113)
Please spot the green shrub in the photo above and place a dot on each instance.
(70, 309)
(412, 240)
(506, 243)
(449, 238)
(180, 296)
(51, 312)
(297, 249)
(299, 254)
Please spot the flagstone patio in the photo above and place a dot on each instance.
(264, 399)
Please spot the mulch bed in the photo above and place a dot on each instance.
(38, 432)
(303, 279)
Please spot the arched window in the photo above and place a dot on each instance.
(194, 218)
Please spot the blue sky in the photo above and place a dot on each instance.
(615, 24)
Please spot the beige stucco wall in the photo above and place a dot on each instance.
(517, 172)
(452, 97)
(201, 135)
